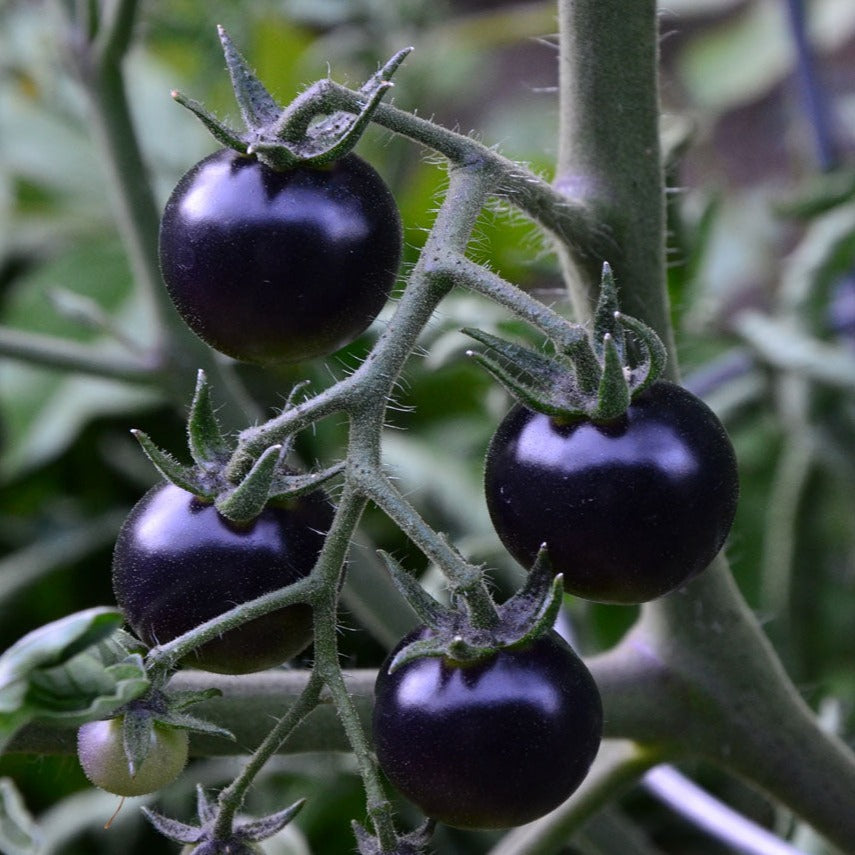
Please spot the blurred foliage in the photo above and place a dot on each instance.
(755, 231)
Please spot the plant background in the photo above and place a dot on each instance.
(762, 269)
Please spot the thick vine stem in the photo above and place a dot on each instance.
(696, 674)
(609, 161)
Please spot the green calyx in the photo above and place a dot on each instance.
(594, 378)
(414, 843)
(159, 707)
(268, 481)
(319, 126)
(524, 617)
(207, 837)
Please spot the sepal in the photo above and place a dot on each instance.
(237, 842)
(414, 843)
(530, 613)
(226, 136)
(240, 497)
(592, 377)
(289, 485)
(257, 106)
(282, 138)
(429, 610)
(165, 708)
(533, 610)
(246, 501)
(205, 439)
(185, 477)
(536, 381)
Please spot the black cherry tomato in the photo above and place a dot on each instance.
(270, 266)
(178, 562)
(492, 744)
(629, 510)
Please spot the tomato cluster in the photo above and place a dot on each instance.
(270, 266)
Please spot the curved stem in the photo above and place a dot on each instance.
(466, 579)
(98, 50)
(99, 65)
(231, 798)
(682, 795)
(55, 352)
(697, 674)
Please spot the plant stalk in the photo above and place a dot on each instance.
(609, 159)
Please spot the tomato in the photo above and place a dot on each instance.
(629, 510)
(270, 266)
(102, 756)
(492, 744)
(178, 562)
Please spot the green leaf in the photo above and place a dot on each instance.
(19, 834)
(55, 643)
(61, 673)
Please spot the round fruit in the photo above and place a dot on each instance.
(629, 510)
(492, 744)
(270, 266)
(178, 563)
(101, 753)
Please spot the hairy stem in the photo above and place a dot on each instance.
(231, 798)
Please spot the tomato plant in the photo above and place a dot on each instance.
(101, 753)
(489, 744)
(272, 266)
(689, 677)
(178, 562)
(629, 509)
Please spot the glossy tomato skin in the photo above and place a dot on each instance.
(178, 562)
(490, 745)
(629, 510)
(101, 753)
(269, 266)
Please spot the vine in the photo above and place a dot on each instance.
(695, 676)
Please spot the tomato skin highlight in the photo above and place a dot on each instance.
(270, 266)
(102, 756)
(493, 744)
(178, 562)
(629, 510)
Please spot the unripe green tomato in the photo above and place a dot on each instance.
(101, 753)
